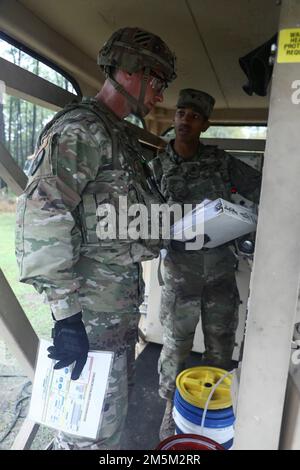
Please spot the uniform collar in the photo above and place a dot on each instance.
(177, 158)
(100, 106)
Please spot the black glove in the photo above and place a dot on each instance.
(70, 344)
(177, 245)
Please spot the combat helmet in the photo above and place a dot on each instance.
(133, 49)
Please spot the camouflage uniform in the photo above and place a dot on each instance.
(199, 281)
(86, 157)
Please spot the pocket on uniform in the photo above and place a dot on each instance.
(89, 218)
(100, 203)
(219, 261)
(43, 231)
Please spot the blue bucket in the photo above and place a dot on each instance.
(218, 424)
(213, 418)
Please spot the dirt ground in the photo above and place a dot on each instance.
(15, 392)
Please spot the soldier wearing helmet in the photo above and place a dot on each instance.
(85, 157)
(136, 51)
(197, 282)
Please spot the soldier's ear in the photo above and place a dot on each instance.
(206, 125)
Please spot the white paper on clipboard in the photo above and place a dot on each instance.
(71, 406)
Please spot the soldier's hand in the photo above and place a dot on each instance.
(206, 239)
(70, 344)
(179, 245)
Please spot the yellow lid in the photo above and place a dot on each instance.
(195, 385)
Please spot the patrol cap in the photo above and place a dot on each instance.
(197, 100)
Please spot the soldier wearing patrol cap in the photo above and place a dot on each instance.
(200, 281)
(197, 100)
(87, 156)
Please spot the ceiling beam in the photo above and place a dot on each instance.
(241, 116)
(194, 21)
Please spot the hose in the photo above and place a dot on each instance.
(210, 396)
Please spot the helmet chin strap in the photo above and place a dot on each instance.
(138, 106)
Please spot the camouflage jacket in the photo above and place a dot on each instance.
(85, 157)
(210, 174)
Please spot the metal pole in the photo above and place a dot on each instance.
(275, 278)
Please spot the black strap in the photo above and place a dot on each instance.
(161, 281)
(137, 105)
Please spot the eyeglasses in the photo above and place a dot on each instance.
(158, 83)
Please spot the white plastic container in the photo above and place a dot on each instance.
(220, 435)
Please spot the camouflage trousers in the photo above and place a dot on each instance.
(216, 299)
(115, 332)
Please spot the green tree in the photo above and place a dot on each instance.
(21, 121)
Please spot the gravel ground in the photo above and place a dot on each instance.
(15, 392)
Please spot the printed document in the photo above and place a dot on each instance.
(72, 406)
(192, 223)
(222, 221)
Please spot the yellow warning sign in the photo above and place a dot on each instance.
(289, 45)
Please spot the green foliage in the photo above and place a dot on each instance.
(21, 121)
(235, 132)
(27, 62)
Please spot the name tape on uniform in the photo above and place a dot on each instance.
(289, 46)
